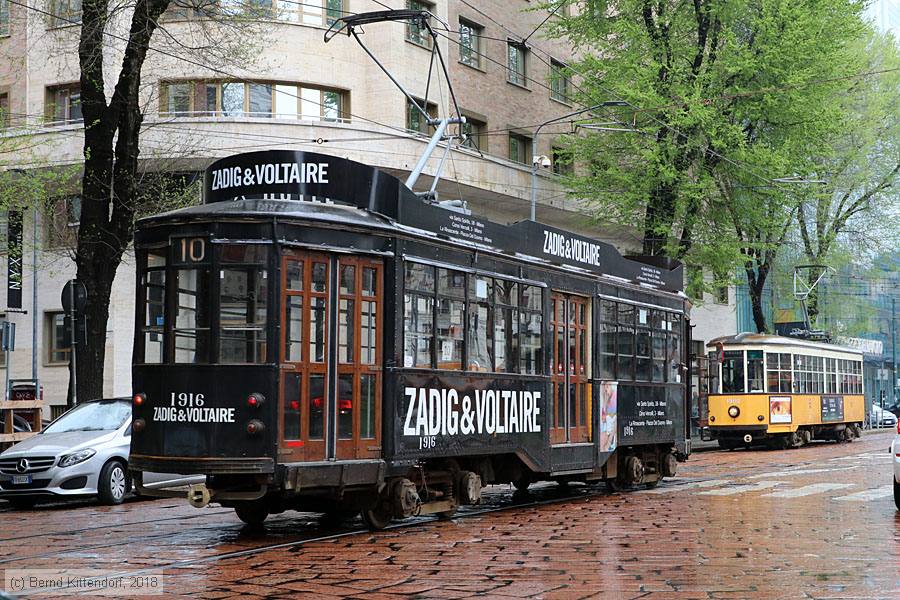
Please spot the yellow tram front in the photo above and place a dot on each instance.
(783, 392)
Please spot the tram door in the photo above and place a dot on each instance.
(571, 363)
(330, 403)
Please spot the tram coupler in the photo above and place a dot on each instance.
(199, 495)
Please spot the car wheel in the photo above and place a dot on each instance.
(113, 483)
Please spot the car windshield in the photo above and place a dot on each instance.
(92, 416)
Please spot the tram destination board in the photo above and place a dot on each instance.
(649, 414)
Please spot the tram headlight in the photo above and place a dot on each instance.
(733, 411)
(255, 427)
(255, 400)
(139, 398)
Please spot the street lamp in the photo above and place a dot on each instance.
(544, 161)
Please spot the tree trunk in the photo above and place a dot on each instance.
(756, 283)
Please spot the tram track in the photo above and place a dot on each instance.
(577, 493)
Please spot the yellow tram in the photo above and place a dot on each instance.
(783, 391)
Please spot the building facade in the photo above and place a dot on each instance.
(290, 90)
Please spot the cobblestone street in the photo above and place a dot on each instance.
(818, 522)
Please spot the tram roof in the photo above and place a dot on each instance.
(244, 185)
(761, 339)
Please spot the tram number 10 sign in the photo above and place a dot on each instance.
(190, 250)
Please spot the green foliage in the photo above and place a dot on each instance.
(725, 95)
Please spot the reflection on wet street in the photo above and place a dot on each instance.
(744, 524)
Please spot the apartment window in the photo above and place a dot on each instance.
(721, 294)
(4, 17)
(474, 130)
(252, 99)
(63, 223)
(65, 12)
(4, 108)
(415, 32)
(55, 326)
(515, 71)
(470, 43)
(64, 104)
(560, 83)
(518, 148)
(563, 163)
(415, 120)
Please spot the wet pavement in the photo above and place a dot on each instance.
(816, 522)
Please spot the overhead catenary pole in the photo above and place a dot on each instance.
(534, 155)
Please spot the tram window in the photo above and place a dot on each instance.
(481, 346)
(346, 314)
(505, 339)
(192, 316)
(675, 352)
(418, 322)
(293, 339)
(242, 312)
(658, 354)
(419, 277)
(319, 277)
(367, 406)
(733, 372)
(317, 322)
(531, 351)
(367, 332)
(251, 254)
(755, 374)
(642, 353)
(291, 406)
(294, 275)
(369, 281)
(316, 407)
(607, 350)
(830, 376)
(450, 333)
(154, 306)
(345, 407)
(532, 298)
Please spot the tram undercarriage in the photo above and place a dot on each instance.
(841, 432)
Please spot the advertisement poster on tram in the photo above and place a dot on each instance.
(608, 415)
(779, 409)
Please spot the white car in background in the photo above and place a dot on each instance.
(882, 417)
(82, 453)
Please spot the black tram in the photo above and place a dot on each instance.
(315, 336)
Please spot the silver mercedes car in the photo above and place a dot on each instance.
(82, 453)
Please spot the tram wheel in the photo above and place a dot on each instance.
(376, 518)
(521, 484)
(252, 513)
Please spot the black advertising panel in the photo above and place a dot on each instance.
(832, 409)
(649, 414)
(14, 259)
(293, 174)
(309, 176)
(456, 415)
